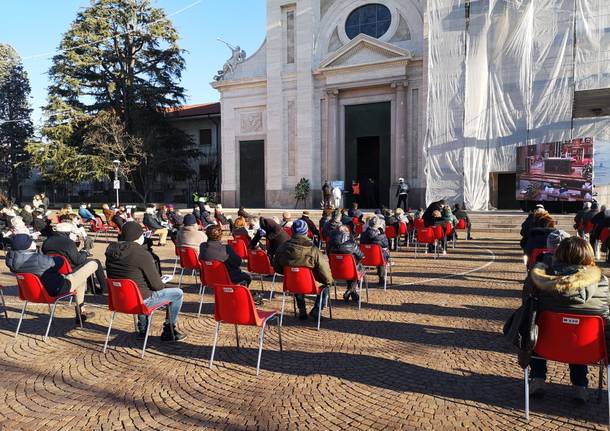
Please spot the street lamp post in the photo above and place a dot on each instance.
(117, 183)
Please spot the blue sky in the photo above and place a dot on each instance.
(35, 27)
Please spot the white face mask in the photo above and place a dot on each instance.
(140, 240)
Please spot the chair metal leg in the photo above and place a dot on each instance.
(527, 395)
(272, 287)
(262, 284)
(175, 266)
(180, 280)
(335, 285)
(201, 294)
(3, 304)
(237, 336)
(109, 328)
(46, 334)
(25, 304)
(146, 336)
(366, 287)
(294, 305)
(391, 276)
(283, 306)
(260, 348)
(320, 308)
(360, 293)
(279, 333)
(194, 276)
(329, 304)
(216, 333)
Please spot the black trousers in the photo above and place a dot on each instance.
(403, 202)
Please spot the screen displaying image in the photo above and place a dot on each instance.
(556, 171)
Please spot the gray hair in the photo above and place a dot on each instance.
(555, 238)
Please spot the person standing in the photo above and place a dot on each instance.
(355, 192)
(326, 195)
(402, 193)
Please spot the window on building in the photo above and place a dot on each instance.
(205, 137)
(372, 19)
(290, 37)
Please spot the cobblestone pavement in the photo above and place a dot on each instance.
(425, 354)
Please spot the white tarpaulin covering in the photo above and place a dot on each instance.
(502, 74)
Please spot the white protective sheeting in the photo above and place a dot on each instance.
(512, 84)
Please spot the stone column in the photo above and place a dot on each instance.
(400, 147)
(332, 135)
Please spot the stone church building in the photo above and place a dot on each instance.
(333, 93)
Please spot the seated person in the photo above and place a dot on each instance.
(572, 284)
(41, 224)
(461, 214)
(275, 235)
(189, 234)
(375, 235)
(222, 218)
(26, 215)
(552, 242)
(327, 215)
(354, 211)
(108, 213)
(241, 212)
(85, 214)
(60, 243)
(333, 225)
(154, 224)
(119, 218)
(214, 249)
(23, 258)
(342, 242)
(536, 236)
(286, 219)
(299, 250)
(78, 234)
(311, 226)
(128, 259)
(240, 230)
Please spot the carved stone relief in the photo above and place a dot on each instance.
(251, 122)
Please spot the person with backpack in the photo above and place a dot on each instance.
(402, 193)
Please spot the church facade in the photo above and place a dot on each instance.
(335, 92)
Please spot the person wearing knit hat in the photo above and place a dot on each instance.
(190, 235)
(374, 234)
(313, 229)
(299, 251)
(129, 259)
(23, 258)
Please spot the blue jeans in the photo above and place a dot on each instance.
(578, 373)
(172, 294)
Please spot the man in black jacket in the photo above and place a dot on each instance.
(213, 249)
(375, 235)
(60, 243)
(342, 242)
(128, 259)
(311, 226)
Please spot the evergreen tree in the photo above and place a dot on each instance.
(15, 122)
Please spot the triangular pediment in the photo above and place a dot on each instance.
(364, 50)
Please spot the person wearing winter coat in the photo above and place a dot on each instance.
(572, 284)
(599, 223)
(428, 216)
(85, 214)
(23, 258)
(240, 230)
(342, 242)
(300, 251)
(311, 226)
(214, 249)
(578, 219)
(354, 211)
(402, 193)
(189, 234)
(333, 225)
(536, 236)
(460, 214)
(271, 230)
(129, 259)
(154, 224)
(59, 242)
(375, 235)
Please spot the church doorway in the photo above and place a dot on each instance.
(252, 174)
(367, 152)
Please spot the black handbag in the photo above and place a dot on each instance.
(521, 329)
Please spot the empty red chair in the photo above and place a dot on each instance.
(373, 257)
(259, 264)
(124, 297)
(300, 281)
(3, 303)
(189, 259)
(32, 290)
(391, 234)
(461, 224)
(233, 304)
(344, 267)
(426, 236)
(571, 339)
(240, 247)
(98, 226)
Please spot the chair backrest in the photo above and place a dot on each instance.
(426, 235)
(31, 289)
(299, 280)
(66, 268)
(605, 234)
(359, 228)
(234, 304)
(373, 255)
(240, 247)
(439, 231)
(244, 238)
(390, 232)
(258, 262)
(189, 258)
(448, 229)
(343, 266)
(533, 257)
(571, 338)
(124, 297)
(461, 224)
(403, 228)
(419, 223)
(288, 230)
(355, 221)
(215, 273)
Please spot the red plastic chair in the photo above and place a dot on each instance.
(300, 281)
(240, 247)
(244, 238)
(359, 228)
(392, 235)
(97, 226)
(213, 273)
(288, 230)
(124, 297)
(419, 224)
(259, 264)
(571, 339)
(461, 224)
(188, 260)
(32, 290)
(533, 257)
(588, 227)
(373, 257)
(3, 302)
(426, 236)
(233, 304)
(344, 267)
